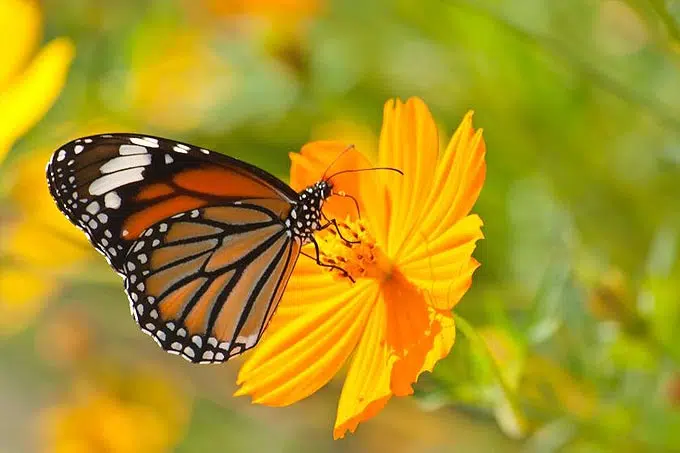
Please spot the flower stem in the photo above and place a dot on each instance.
(478, 343)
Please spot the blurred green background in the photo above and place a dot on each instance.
(575, 306)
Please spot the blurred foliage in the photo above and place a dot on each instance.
(575, 346)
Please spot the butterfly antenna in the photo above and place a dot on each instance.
(350, 147)
(358, 170)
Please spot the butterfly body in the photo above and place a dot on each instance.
(305, 216)
(205, 243)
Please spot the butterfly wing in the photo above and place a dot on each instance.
(198, 236)
(205, 283)
(114, 186)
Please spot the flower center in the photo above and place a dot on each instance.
(360, 259)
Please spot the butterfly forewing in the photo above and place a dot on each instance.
(114, 186)
(199, 237)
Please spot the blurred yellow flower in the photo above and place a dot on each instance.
(176, 79)
(276, 11)
(29, 84)
(279, 26)
(412, 263)
(37, 246)
(124, 413)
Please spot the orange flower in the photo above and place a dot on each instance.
(412, 263)
(117, 410)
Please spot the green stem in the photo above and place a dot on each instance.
(669, 22)
(478, 342)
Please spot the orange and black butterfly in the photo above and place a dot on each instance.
(205, 243)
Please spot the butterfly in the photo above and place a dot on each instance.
(205, 243)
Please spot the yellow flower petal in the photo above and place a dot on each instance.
(295, 359)
(26, 100)
(407, 313)
(367, 386)
(457, 183)
(458, 180)
(409, 142)
(308, 285)
(463, 233)
(20, 24)
(443, 341)
(407, 368)
(444, 266)
(447, 291)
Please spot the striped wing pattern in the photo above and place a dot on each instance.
(114, 186)
(199, 237)
(205, 283)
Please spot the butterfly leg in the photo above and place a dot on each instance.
(335, 224)
(346, 195)
(317, 258)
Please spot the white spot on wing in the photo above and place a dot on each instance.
(128, 150)
(168, 159)
(79, 148)
(251, 340)
(62, 155)
(125, 162)
(145, 141)
(107, 183)
(112, 200)
(93, 208)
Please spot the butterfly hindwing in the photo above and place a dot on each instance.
(204, 283)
